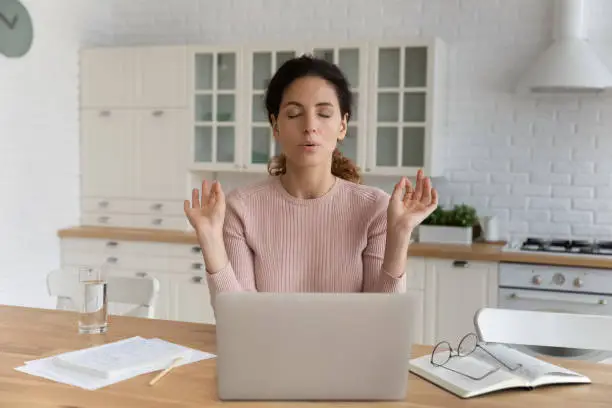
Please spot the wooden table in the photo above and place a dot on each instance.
(27, 334)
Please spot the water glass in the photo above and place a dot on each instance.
(93, 313)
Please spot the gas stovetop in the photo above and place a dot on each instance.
(563, 246)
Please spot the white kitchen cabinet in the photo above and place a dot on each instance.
(397, 118)
(405, 116)
(161, 158)
(134, 167)
(216, 89)
(133, 77)
(259, 146)
(107, 153)
(454, 291)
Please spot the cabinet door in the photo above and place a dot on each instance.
(353, 61)
(162, 77)
(108, 77)
(162, 148)
(455, 290)
(215, 84)
(107, 153)
(191, 299)
(260, 66)
(400, 113)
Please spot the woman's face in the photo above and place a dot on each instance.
(309, 122)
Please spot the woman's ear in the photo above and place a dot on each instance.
(343, 127)
(274, 123)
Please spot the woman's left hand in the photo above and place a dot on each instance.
(409, 206)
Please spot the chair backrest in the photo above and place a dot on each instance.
(539, 328)
(139, 293)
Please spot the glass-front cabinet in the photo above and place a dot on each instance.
(397, 87)
(260, 65)
(352, 60)
(402, 111)
(216, 84)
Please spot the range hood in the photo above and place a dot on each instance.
(569, 65)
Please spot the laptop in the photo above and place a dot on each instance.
(313, 346)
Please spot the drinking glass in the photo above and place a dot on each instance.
(93, 313)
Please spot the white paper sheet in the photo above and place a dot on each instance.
(46, 367)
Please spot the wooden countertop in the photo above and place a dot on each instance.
(28, 333)
(476, 252)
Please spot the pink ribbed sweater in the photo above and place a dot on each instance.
(279, 243)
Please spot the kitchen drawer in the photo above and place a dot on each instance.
(193, 252)
(160, 207)
(128, 206)
(106, 205)
(107, 220)
(109, 246)
(160, 222)
(117, 261)
(186, 265)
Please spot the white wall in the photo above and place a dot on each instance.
(542, 166)
(39, 169)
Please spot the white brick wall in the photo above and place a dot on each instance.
(39, 176)
(542, 165)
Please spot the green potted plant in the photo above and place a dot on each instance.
(450, 226)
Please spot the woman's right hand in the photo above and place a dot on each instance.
(206, 213)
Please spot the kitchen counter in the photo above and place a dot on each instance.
(492, 252)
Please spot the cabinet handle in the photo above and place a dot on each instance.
(111, 259)
(460, 264)
(141, 274)
(103, 204)
(105, 113)
(111, 244)
(197, 279)
(196, 265)
(103, 220)
(157, 206)
(368, 169)
(157, 221)
(196, 249)
(158, 113)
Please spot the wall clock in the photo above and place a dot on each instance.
(16, 29)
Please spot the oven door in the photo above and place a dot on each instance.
(558, 302)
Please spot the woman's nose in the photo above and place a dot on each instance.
(310, 125)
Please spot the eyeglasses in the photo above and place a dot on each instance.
(443, 352)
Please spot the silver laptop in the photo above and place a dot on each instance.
(313, 346)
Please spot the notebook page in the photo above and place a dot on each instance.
(532, 368)
(461, 384)
(112, 359)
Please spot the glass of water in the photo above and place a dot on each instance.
(93, 313)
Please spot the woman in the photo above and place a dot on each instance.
(311, 226)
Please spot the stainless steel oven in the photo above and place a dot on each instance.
(557, 289)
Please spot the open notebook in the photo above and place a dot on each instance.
(533, 373)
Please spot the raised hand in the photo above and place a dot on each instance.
(206, 213)
(409, 206)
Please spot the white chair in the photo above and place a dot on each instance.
(139, 293)
(545, 329)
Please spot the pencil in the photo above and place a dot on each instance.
(166, 371)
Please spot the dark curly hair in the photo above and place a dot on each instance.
(296, 68)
